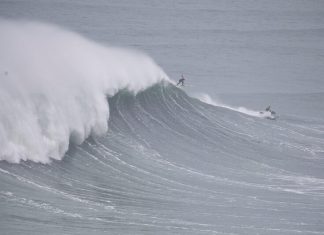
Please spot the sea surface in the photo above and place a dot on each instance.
(95, 138)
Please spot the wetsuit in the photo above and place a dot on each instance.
(181, 81)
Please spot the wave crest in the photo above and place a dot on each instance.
(54, 86)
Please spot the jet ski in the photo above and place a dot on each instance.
(270, 114)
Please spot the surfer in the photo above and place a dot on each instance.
(273, 115)
(181, 80)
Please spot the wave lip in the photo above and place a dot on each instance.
(53, 88)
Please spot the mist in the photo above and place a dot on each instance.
(54, 85)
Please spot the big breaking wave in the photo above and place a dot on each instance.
(53, 88)
(168, 163)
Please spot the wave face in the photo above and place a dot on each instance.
(171, 164)
(53, 88)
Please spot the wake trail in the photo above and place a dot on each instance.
(208, 100)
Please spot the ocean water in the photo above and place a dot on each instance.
(95, 138)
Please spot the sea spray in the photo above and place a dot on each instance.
(54, 85)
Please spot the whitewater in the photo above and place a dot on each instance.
(54, 86)
(96, 138)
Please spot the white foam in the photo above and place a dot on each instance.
(53, 88)
(208, 100)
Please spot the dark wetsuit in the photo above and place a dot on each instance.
(181, 81)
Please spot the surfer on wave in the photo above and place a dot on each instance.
(181, 80)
